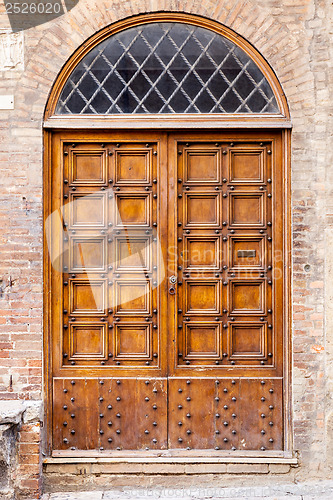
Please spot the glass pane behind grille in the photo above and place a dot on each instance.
(166, 68)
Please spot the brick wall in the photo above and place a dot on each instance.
(294, 37)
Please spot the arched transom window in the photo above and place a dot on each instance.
(167, 67)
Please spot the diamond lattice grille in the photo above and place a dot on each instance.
(166, 68)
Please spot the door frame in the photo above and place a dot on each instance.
(183, 124)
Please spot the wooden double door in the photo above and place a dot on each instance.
(166, 329)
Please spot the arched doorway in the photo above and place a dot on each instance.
(168, 221)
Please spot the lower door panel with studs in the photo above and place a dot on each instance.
(167, 292)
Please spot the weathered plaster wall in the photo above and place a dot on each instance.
(294, 36)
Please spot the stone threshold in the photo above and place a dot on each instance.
(170, 460)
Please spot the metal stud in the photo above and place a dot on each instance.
(225, 195)
(263, 415)
(118, 415)
(188, 398)
(65, 424)
(118, 398)
(65, 407)
(118, 431)
(217, 415)
(147, 382)
(146, 398)
(217, 398)
(225, 440)
(154, 407)
(233, 431)
(271, 440)
(271, 391)
(109, 407)
(110, 423)
(188, 382)
(225, 390)
(118, 382)
(263, 432)
(65, 440)
(109, 440)
(263, 448)
(146, 431)
(217, 447)
(180, 423)
(233, 415)
(180, 406)
(271, 407)
(154, 424)
(65, 391)
(180, 440)
(225, 407)
(188, 415)
(73, 382)
(263, 399)
(217, 432)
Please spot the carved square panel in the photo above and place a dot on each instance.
(202, 210)
(246, 166)
(86, 211)
(247, 210)
(88, 341)
(133, 209)
(247, 340)
(247, 297)
(202, 297)
(87, 167)
(202, 253)
(133, 341)
(87, 297)
(202, 166)
(133, 254)
(247, 252)
(133, 166)
(87, 254)
(202, 341)
(133, 297)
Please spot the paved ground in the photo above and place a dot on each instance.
(306, 491)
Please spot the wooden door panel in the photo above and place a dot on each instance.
(247, 209)
(110, 414)
(133, 166)
(194, 361)
(201, 209)
(202, 297)
(133, 210)
(87, 166)
(195, 158)
(247, 252)
(225, 414)
(201, 253)
(246, 166)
